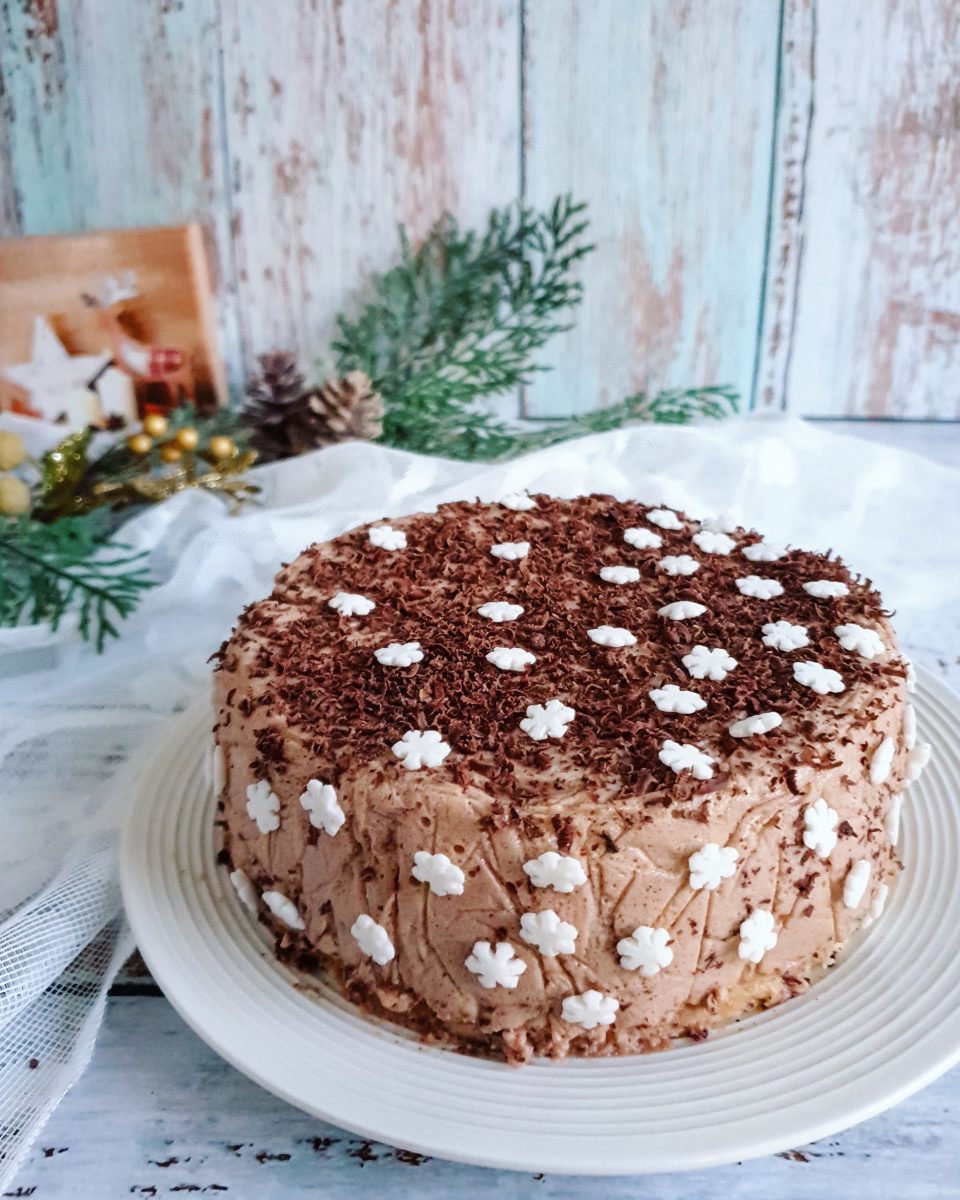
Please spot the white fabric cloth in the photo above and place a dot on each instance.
(69, 720)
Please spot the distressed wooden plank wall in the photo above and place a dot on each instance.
(772, 185)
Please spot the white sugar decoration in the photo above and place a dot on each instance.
(678, 564)
(511, 658)
(373, 939)
(510, 551)
(421, 748)
(858, 638)
(557, 871)
(763, 552)
(444, 877)
(399, 654)
(761, 723)
(758, 588)
(711, 864)
(283, 909)
(642, 539)
(218, 768)
(911, 675)
(818, 678)
(518, 501)
(499, 611)
(712, 542)
(548, 933)
(709, 662)
(826, 589)
(877, 905)
(611, 635)
(550, 720)
(681, 610)
(263, 806)
(681, 756)
(781, 635)
(882, 760)
(917, 759)
(757, 935)
(319, 799)
(645, 950)
(723, 523)
(589, 1009)
(349, 604)
(820, 828)
(891, 819)
(245, 890)
(673, 699)
(387, 538)
(855, 884)
(495, 967)
(666, 518)
(909, 727)
(619, 574)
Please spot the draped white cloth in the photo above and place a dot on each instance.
(71, 722)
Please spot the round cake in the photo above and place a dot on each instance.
(550, 777)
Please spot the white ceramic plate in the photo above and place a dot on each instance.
(882, 1024)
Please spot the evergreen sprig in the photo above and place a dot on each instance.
(47, 570)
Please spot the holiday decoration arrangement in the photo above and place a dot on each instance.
(457, 321)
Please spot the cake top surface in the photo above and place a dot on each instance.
(515, 645)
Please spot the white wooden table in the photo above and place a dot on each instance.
(159, 1114)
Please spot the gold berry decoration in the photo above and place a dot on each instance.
(187, 438)
(139, 443)
(221, 447)
(170, 453)
(155, 424)
(14, 496)
(12, 450)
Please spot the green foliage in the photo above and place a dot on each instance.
(47, 570)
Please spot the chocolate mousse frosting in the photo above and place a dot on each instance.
(562, 776)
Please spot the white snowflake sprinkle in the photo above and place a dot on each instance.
(818, 678)
(855, 884)
(350, 604)
(757, 935)
(557, 871)
(510, 551)
(444, 877)
(858, 638)
(917, 759)
(547, 720)
(673, 699)
(218, 768)
(820, 828)
(495, 967)
(877, 905)
(619, 574)
(909, 727)
(590, 1009)
(781, 635)
(709, 662)
(758, 588)
(826, 589)
(642, 539)
(666, 518)
(681, 756)
(679, 564)
(263, 806)
(891, 819)
(499, 611)
(548, 933)
(761, 723)
(911, 675)
(681, 610)
(763, 552)
(283, 909)
(711, 864)
(320, 801)
(723, 523)
(645, 950)
(511, 658)
(421, 748)
(387, 538)
(246, 892)
(611, 635)
(518, 501)
(711, 542)
(373, 939)
(399, 654)
(882, 760)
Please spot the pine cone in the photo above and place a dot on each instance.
(347, 409)
(274, 400)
